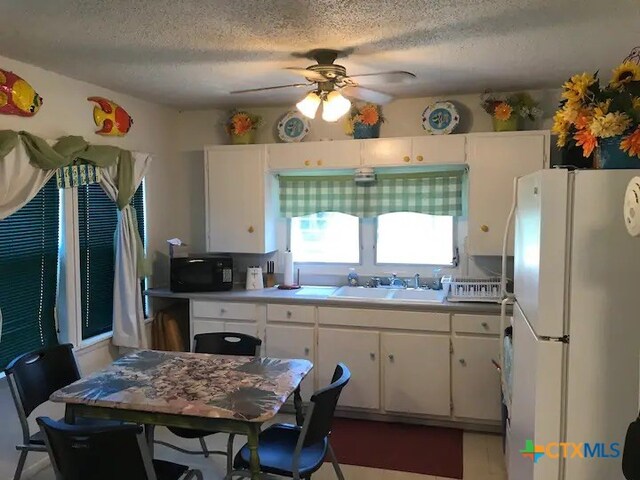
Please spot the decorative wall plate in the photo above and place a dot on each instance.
(293, 127)
(440, 118)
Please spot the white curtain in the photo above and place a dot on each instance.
(128, 317)
(19, 180)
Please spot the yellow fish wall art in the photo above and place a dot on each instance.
(17, 97)
(113, 120)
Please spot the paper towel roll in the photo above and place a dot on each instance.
(288, 268)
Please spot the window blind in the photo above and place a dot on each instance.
(28, 275)
(433, 193)
(97, 220)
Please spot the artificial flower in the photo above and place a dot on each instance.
(569, 112)
(583, 118)
(636, 103)
(369, 115)
(348, 126)
(625, 73)
(586, 140)
(631, 143)
(241, 124)
(609, 125)
(560, 128)
(503, 111)
(576, 88)
(602, 108)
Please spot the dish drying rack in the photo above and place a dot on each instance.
(465, 289)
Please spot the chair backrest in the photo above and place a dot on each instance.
(81, 452)
(36, 375)
(227, 343)
(323, 405)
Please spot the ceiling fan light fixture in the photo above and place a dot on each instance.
(308, 106)
(334, 106)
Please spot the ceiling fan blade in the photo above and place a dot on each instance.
(396, 76)
(366, 94)
(308, 74)
(251, 90)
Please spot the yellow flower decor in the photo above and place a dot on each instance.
(503, 111)
(520, 104)
(589, 112)
(368, 114)
(631, 143)
(240, 122)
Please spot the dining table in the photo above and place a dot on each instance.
(220, 393)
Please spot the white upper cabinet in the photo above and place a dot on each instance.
(495, 160)
(239, 200)
(426, 150)
(314, 155)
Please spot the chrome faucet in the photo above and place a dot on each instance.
(394, 281)
(416, 280)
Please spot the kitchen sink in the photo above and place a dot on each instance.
(362, 292)
(421, 295)
(315, 291)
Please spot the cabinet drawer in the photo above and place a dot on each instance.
(223, 310)
(352, 317)
(489, 324)
(291, 313)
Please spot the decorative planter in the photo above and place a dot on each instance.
(244, 139)
(510, 125)
(360, 130)
(611, 156)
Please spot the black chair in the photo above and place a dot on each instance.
(297, 452)
(81, 452)
(32, 378)
(220, 343)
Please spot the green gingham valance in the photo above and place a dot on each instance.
(434, 193)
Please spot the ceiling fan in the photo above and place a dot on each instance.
(331, 85)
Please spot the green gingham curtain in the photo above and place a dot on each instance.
(434, 193)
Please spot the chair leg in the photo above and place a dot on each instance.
(203, 444)
(230, 452)
(336, 465)
(20, 466)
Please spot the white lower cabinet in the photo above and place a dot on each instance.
(416, 373)
(206, 326)
(475, 381)
(289, 341)
(359, 350)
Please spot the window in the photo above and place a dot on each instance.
(414, 238)
(28, 274)
(326, 237)
(97, 220)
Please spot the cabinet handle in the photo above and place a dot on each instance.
(319, 162)
(463, 362)
(306, 351)
(289, 314)
(250, 229)
(307, 163)
(222, 311)
(407, 159)
(420, 158)
(391, 357)
(485, 325)
(372, 355)
(484, 228)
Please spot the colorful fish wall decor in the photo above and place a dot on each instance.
(113, 120)
(17, 96)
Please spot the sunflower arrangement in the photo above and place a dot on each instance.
(589, 112)
(241, 122)
(368, 114)
(520, 104)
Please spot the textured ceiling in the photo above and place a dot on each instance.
(189, 54)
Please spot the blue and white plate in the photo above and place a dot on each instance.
(293, 127)
(440, 118)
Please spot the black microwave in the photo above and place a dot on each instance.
(206, 273)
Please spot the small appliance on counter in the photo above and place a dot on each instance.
(201, 273)
(254, 278)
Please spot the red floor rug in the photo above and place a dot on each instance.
(398, 446)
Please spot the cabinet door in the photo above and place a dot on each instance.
(236, 200)
(248, 328)
(359, 350)
(293, 342)
(475, 380)
(439, 149)
(386, 151)
(494, 162)
(205, 326)
(313, 155)
(416, 373)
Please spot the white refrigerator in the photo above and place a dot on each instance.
(576, 324)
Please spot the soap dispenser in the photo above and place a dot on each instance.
(352, 278)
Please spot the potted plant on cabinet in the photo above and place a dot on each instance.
(241, 127)
(364, 121)
(507, 113)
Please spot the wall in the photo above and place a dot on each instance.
(403, 118)
(66, 111)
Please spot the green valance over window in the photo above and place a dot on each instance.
(434, 193)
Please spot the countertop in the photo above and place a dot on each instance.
(321, 296)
